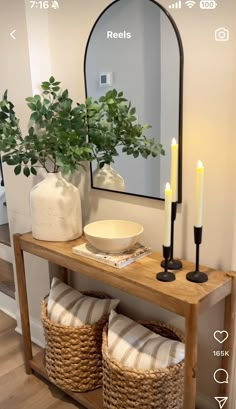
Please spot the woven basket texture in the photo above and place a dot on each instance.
(73, 357)
(128, 388)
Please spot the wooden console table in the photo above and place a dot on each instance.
(182, 297)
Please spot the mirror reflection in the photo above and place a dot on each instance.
(3, 203)
(135, 48)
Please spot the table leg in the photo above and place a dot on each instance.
(229, 363)
(23, 302)
(190, 368)
(63, 274)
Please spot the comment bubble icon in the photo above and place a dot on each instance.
(221, 376)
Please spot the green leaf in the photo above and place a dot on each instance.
(31, 130)
(17, 170)
(132, 111)
(32, 106)
(46, 101)
(65, 94)
(12, 161)
(5, 95)
(33, 171)
(5, 109)
(38, 105)
(34, 116)
(37, 97)
(30, 99)
(3, 116)
(45, 85)
(67, 105)
(51, 80)
(26, 171)
(34, 161)
(144, 154)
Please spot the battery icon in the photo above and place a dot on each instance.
(208, 4)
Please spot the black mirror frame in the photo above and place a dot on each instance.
(181, 74)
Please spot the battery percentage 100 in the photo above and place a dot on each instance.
(208, 4)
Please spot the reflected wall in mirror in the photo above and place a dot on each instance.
(135, 47)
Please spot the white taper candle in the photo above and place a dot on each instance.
(199, 194)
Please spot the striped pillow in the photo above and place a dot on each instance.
(68, 306)
(135, 346)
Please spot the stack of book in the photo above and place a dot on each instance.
(116, 260)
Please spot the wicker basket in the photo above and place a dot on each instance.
(127, 388)
(73, 357)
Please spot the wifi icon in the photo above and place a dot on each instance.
(190, 3)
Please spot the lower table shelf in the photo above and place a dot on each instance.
(182, 297)
(91, 400)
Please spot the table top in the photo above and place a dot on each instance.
(139, 278)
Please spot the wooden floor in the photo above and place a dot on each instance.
(5, 234)
(18, 390)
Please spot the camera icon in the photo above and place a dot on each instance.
(222, 34)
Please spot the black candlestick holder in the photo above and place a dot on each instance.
(166, 275)
(197, 276)
(173, 264)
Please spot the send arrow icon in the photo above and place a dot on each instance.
(221, 400)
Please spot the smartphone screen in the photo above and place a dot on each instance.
(147, 81)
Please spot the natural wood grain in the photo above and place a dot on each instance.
(18, 390)
(138, 278)
(63, 274)
(228, 363)
(92, 400)
(10, 358)
(190, 364)
(5, 234)
(6, 323)
(7, 285)
(23, 301)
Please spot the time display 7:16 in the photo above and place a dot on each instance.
(39, 4)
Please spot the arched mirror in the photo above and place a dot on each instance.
(135, 48)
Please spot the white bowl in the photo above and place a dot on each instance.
(113, 236)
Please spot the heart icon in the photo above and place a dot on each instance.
(221, 336)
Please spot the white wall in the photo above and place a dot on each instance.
(208, 134)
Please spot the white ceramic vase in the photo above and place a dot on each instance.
(108, 178)
(55, 209)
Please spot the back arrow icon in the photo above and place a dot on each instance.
(12, 34)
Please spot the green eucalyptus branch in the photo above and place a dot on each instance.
(57, 133)
(112, 123)
(65, 135)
